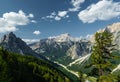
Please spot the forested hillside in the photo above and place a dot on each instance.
(18, 68)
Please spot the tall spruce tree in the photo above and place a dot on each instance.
(102, 53)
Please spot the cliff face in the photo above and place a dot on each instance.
(14, 44)
(63, 48)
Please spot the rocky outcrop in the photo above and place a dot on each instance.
(14, 44)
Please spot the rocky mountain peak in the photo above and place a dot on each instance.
(8, 37)
(65, 35)
(14, 44)
(64, 38)
(115, 27)
(11, 33)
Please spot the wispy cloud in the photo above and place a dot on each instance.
(103, 10)
(64, 14)
(57, 16)
(10, 21)
(36, 32)
(76, 5)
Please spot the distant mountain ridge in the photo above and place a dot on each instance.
(62, 48)
(69, 50)
(64, 38)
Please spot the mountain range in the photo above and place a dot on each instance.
(64, 49)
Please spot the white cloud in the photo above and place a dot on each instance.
(19, 18)
(74, 9)
(62, 13)
(29, 41)
(31, 15)
(9, 21)
(103, 10)
(33, 21)
(76, 5)
(57, 18)
(36, 32)
(51, 16)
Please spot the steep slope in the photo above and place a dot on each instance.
(14, 44)
(115, 30)
(18, 68)
(63, 48)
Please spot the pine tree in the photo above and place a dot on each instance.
(102, 53)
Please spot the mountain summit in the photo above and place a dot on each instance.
(64, 38)
(115, 27)
(14, 44)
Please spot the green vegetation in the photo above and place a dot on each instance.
(70, 75)
(102, 60)
(18, 68)
(102, 53)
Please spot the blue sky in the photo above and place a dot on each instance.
(37, 19)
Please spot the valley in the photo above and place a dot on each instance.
(59, 40)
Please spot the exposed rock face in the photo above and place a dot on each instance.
(14, 44)
(115, 29)
(59, 48)
(79, 49)
(64, 46)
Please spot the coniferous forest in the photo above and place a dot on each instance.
(17, 68)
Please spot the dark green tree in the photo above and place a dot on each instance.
(102, 53)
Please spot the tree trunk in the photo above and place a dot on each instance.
(100, 72)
